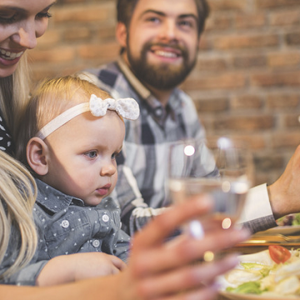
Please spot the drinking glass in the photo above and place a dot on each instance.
(221, 167)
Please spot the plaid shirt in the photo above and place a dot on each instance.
(141, 184)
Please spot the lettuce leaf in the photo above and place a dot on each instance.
(251, 287)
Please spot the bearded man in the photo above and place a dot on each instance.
(159, 42)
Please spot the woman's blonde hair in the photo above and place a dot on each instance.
(51, 98)
(17, 194)
(14, 95)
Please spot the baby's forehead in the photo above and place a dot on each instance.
(82, 95)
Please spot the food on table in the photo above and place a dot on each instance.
(289, 220)
(273, 272)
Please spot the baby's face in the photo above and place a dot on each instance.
(83, 156)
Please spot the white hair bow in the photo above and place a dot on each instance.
(125, 107)
(128, 108)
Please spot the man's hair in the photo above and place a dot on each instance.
(125, 9)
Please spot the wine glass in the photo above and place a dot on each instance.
(221, 167)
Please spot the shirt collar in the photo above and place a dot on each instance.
(136, 84)
(53, 199)
(158, 111)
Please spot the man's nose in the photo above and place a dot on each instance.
(169, 30)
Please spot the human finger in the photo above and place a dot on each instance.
(203, 293)
(188, 278)
(118, 263)
(185, 251)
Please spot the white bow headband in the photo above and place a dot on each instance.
(128, 108)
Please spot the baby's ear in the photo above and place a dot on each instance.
(36, 154)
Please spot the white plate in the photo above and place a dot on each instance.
(259, 257)
(285, 230)
(234, 296)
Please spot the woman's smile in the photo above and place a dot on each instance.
(10, 58)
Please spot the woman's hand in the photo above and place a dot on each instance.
(159, 270)
(74, 267)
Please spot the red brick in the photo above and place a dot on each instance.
(245, 123)
(268, 162)
(218, 22)
(283, 59)
(276, 79)
(286, 139)
(51, 38)
(292, 120)
(106, 32)
(211, 64)
(84, 13)
(223, 81)
(246, 102)
(283, 101)
(211, 105)
(250, 20)
(293, 38)
(249, 61)
(254, 141)
(76, 34)
(285, 18)
(221, 5)
(226, 42)
(107, 51)
(205, 43)
(276, 3)
(58, 55)
(38, 73)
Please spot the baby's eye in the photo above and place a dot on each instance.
(115, 155)
(91, 154)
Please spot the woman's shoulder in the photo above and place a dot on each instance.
(6, 143)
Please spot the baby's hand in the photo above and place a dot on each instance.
(96, 264)
(73, 267)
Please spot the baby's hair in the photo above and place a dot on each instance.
(51, 98)
(17, 195)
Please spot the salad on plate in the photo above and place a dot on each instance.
(271, 273)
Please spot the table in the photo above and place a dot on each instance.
(261, 242)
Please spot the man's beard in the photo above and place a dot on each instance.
(164, 76)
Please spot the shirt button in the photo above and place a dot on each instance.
(65, 224)
(96, 243)
(105, 218)
(158, 112)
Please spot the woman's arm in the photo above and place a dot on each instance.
(156, 270)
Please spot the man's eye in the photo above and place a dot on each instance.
(91, 154)
(186, 23)
(153, 20)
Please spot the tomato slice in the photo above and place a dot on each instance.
(279, 254)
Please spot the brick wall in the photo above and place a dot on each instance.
(246, 82)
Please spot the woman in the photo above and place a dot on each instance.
(155, 269)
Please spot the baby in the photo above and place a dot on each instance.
(70, 136)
